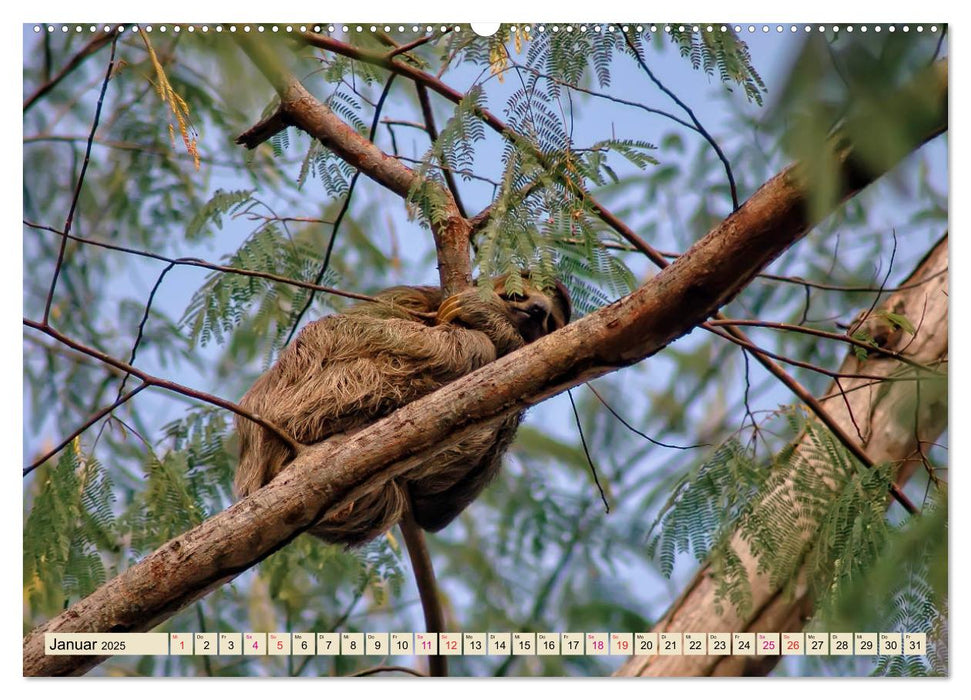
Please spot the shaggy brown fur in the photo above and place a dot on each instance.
(343, 372)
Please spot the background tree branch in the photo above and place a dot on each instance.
(894, 428)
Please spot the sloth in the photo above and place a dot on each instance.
(345, 371)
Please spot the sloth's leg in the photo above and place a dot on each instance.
(436, 501)
(364, 518)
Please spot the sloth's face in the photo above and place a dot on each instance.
(536, 313)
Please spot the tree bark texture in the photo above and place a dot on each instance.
(893, 419)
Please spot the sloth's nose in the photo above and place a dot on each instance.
(538, 310)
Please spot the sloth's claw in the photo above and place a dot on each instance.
(450, 309)
(341, 514)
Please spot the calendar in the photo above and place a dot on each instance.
(470, 643)
(611, 346)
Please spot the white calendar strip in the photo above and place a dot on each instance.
(488, 644)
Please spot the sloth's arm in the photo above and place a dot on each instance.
(488, 314)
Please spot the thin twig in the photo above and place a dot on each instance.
(141, 325)
(152, 380)
(138, 337)
(91, 47)
(749, 345)
(404, 48)
(605, 96)
(745, 402)
(77, 358)
(886, 278)
(80, 181)
(586, 451)
(447, 171)
(429, 116)
(198, 262)
(841, 337)
(143, 149)
(638, 432)
(701, 130)
(84, 426)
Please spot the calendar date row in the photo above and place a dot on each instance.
(489, 643)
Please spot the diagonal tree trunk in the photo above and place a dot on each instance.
(892, 429)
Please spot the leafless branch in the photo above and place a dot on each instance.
(151, 380)
(100, 39)
(197, 262)
(80, 181)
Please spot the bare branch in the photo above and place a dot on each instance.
(197, 262)
(122, 399)
(152, 380)
(345, 206)
(91, 47)
(841, 337)
(698, 127)
(80, 181)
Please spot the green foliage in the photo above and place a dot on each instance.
(454, 149)
(221, 204)
(70, 521)
(170, 503)
(725, 52)
(293, 572)
(837, 76)
(694, 518)
(816, 517)
(226, 299)
(202, 435)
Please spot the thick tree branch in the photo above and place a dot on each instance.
(301, 109)
(892, 433)
(927, 110)
(323, 476)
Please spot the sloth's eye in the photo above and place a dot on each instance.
(513, 297)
